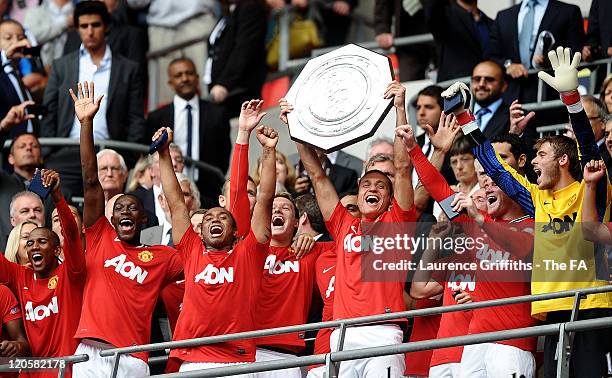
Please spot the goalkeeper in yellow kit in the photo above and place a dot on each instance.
(563, 259)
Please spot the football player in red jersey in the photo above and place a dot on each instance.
(379, 201)
(124, 278)
(16, 344)
(50, 294)
(221, 272)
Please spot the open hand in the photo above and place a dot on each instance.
(302, 245)
(518, 119)
(267, 137)
(85, 108)
(443, 138)
(250, 115)
(565, 67)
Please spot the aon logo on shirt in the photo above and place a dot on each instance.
(211, 275)
(40, 312)
(462, 282)
(280, 267)
(127, 268)
(488, 253)
(330, 287)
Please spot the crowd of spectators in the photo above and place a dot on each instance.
(130, 248)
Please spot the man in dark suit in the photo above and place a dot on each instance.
(599, 34)
(491, 112)
(12, 90)
(513, 47)
(117, 78)
(201, 129)
(461, 32)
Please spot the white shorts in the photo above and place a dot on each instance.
(102, 367)
(491, 360)
(270, 355)
(191, 366)
(365, 337)
(450, 370)
(316, 372)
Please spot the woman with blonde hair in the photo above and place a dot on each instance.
(15, 246)
(285, 173)
(605, 95)
(141, 175)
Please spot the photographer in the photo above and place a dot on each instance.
(12, 90)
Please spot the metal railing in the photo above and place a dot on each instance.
(125, 146)
(50, 361)
(342, 324)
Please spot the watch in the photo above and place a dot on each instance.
(507, 63)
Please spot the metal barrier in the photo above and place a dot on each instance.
(126, 146)
(344, 323)
(50, 361)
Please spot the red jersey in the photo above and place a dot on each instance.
(453, 323)
(239, 204)
(172, 295)
(285, 295)
(217, 301)
(326, 277)
(51, 305)
(423, 328)
(122, 287)
(353, 296)
(9, 308)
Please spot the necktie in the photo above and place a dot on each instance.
(22, 91)
(526, 34)
(479, 114)
(169, 234)
(189, 130)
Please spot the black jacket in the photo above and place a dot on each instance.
(457, 43)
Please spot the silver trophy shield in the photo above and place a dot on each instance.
(338, 98)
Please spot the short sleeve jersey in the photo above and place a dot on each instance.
(122, 287)
(9, 308)
(218, 300)
(285, 295)
(353, 296)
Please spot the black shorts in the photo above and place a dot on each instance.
(589, 348)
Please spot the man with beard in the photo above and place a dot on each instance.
(222, 273)
(379, 201)
(50, 294)
(124, 278)
(556, 203)
(506, 357)
(488, 85)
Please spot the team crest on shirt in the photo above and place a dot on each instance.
(14, 310)
(52, 282)
(145, 256)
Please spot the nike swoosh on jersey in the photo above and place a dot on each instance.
(328, 269)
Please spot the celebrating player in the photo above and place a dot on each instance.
(379, 201)
(50, 294)
(555, 202)
(222, 275)
(124, 278)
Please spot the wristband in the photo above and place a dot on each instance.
(467, 122)
(572, 101)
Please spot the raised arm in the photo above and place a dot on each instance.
(402, 187)
(172, 189)
(268, 138)
(423, 285)
(327, 198)
(250, 116)
(73, 246)
(85, 108)
(592, 228)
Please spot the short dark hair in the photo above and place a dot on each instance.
(227, 182)
(461, 146)
(434, 91)
(17, 137)
(307, 204)
(563, 145)
(11, 21)
(91, 7)
(517, 146)
(53, 236)
(181, 59)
